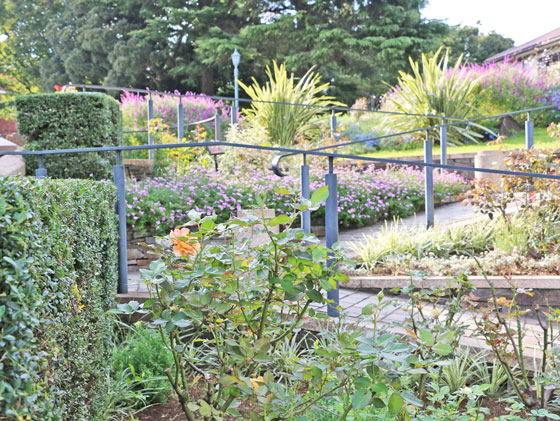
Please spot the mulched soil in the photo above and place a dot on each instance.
(171, 411)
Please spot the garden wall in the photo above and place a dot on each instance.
(138, 256)
(58, 279)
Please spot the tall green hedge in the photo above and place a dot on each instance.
(65, 121)
(58, 276)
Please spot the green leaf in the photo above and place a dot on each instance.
(361, 399)
(320, 195)
(379, 388)
(182, 323)
(446, 338)
(410, 398)
(222, 307)
(442, 349)
(280, 219)
(395, 404)
(362, 382)
(367, 310)
(282, 190)
(287, 284)
(314, 295)
(427, 337)
(262, 358)
(207, 224)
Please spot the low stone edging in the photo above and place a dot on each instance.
(545, 289)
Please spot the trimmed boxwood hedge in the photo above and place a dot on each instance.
(65, 121)
(58, 277)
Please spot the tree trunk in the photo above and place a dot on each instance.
(207, 82)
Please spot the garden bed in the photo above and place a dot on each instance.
(156, 205)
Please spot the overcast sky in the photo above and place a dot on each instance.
(520, 20)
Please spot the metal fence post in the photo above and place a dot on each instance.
(217, 127)
(429, 182)
(331, 230)
(333, 123)
(233, 114)
(150, 118)
(41, 172)
(180, 121)
(306, 194)
(119, 180)
(443, 143)
(529, 132)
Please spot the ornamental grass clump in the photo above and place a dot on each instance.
(283, 122)
(436, 89)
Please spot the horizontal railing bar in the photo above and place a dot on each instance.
(438, 126)
(282, 149)
(208, 120)
(336, 108)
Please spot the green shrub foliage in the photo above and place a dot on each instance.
(58, 275)
(65, 121)
(144, 352)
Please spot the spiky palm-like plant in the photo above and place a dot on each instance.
(434, 89)
(284, 123)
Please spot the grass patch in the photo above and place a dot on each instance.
(515, 141)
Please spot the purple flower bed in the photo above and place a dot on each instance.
(157, 205)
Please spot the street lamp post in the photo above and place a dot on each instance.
(235, 58)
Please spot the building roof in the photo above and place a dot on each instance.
(537, 43)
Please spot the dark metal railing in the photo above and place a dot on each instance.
(331, 212)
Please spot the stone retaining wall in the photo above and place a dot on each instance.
(138, 256)
(138, 169)
(545, 289)
(7, 127)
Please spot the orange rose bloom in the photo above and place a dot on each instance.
(183, 248)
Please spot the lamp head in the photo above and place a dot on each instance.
(235, 58)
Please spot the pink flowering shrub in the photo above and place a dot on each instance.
(510, 86)
(134, 108)
(158, 205)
